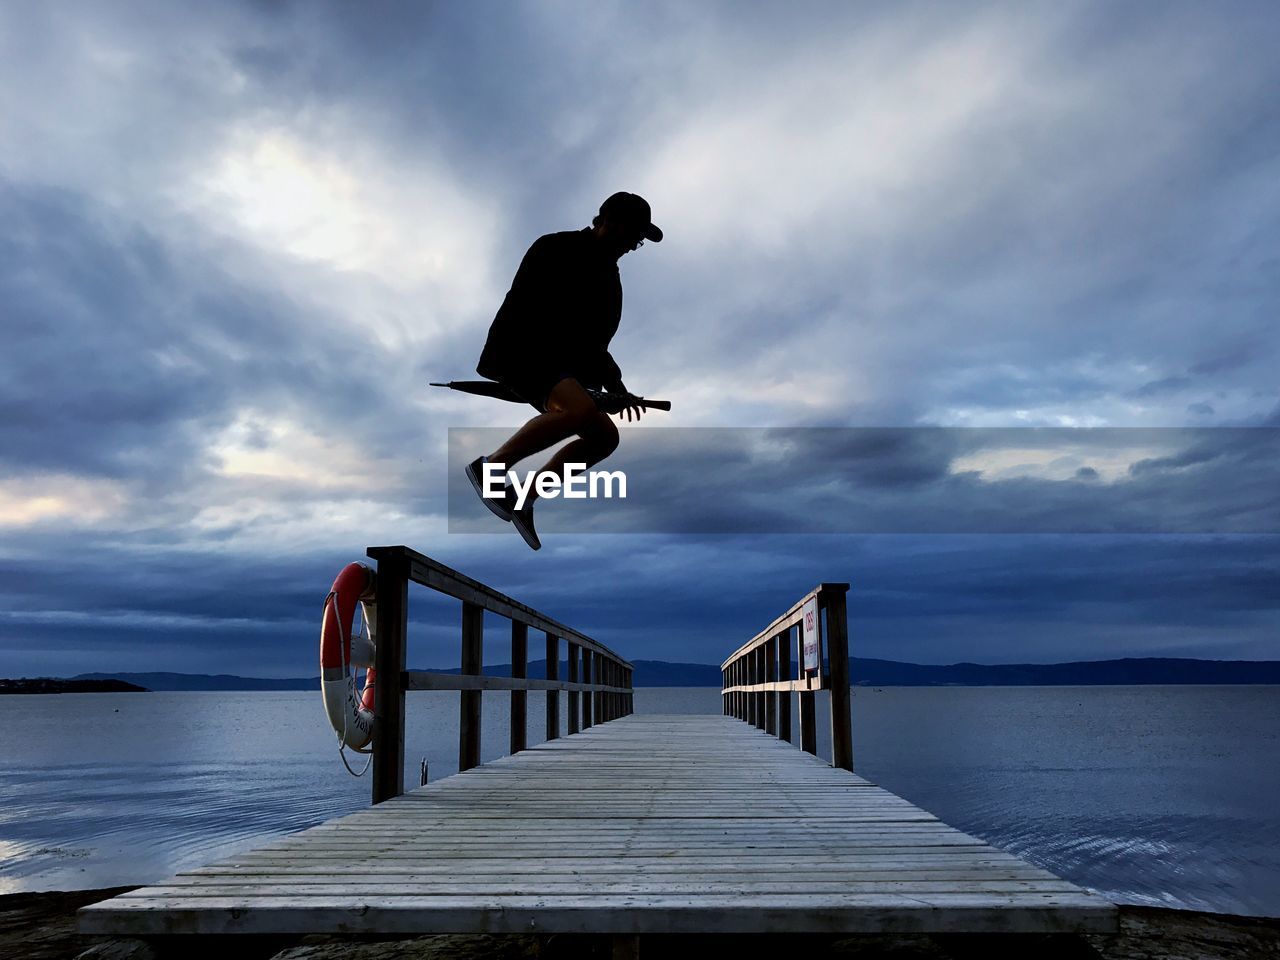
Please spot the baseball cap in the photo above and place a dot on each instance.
(633, 208)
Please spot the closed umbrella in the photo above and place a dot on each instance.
(608, 402)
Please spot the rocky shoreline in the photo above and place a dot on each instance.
(41, 926)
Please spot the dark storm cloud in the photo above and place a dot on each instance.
(925, 599)
(982, 598)
(876, 215)
(917, 480)
(1163, 385)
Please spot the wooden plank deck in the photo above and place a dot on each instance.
(646, 824)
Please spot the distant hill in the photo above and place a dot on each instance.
(648, 673)
(864, 672)
(204, 681)
(57, 685)
(1147, 670)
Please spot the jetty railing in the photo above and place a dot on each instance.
(757, 677)
(598, 686)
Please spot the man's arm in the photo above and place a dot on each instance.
(609, 373)
(613, 383)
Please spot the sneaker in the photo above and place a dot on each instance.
(522, 520)
(501, 506)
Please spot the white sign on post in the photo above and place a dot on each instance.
(809, 624)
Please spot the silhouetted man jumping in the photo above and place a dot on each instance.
(550, 340)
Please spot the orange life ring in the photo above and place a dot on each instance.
(350, 711)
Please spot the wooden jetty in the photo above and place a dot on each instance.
(633, 825)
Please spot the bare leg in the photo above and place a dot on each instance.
(588, 450)
(570, 410)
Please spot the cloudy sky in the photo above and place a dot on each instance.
(240, 238)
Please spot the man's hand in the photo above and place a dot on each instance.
(620, 387)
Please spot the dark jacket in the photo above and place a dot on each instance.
(563, 308)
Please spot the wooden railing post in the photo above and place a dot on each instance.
(761, 696)
(740, 677)
(784, 673)
(587, 658)
(553, 696)
(739, 703)
(472, 663)
(631, 690)
(740, 668)
(519, 698)
(602, 672)
(602, 698)
(575, 712)
(389, 662)
(757, 718)
(771, 697)
(608, 697)
(838, 657)
(808, 713)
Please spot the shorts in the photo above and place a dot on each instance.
(534, 386)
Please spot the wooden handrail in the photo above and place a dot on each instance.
(609, 698)
(787, 620)
(422, 680)
(756, 678)
(434, 574)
